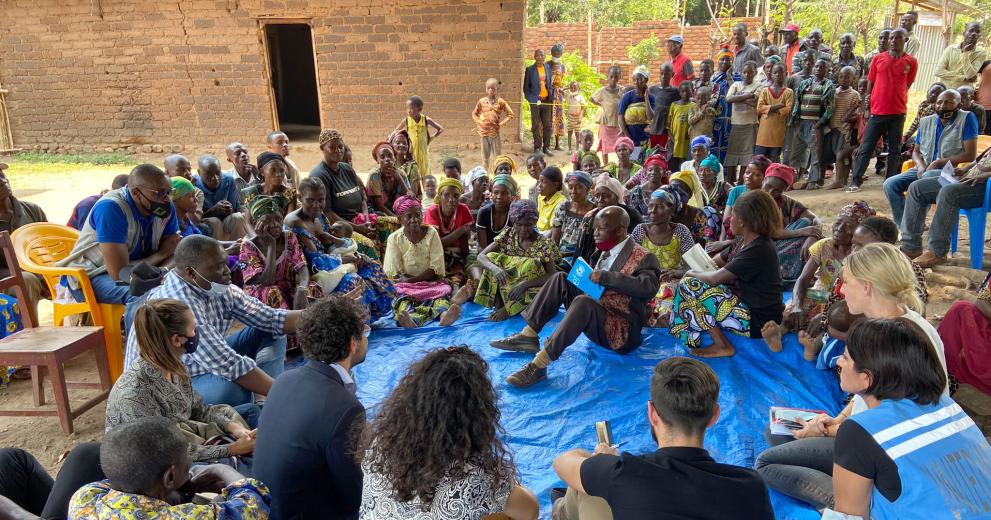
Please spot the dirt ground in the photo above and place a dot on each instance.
(58, 187)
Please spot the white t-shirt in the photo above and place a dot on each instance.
(743, 113)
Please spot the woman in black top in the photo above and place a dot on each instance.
(744, 293)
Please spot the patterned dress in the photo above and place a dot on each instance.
(669, 257)
(245, 499)
(522, 264)
(571, 227)
(280, 294)
(423, 301)
(557, 82)
(10, 322)
(699, 307)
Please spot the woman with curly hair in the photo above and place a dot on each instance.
(451, 467)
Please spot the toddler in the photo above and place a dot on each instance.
(576, 111)
(585, 141)
(826, 348)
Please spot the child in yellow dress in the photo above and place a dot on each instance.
(416, 125)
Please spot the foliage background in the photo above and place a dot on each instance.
(589, 80)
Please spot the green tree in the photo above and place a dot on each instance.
(645, 51)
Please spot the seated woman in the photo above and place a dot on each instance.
(406, 162)
(715, 192)
(494, 217)
(966, 334)
(513, 268)
(414, 259)
(691, 216)
(273, 169)
(386, 183)
(624, 169)
(913, 452)
(700, 147)
(453, 222)
(566, 224)
(607, 192)
(874, 230)
(668, 241)
(478, 183)
(184, 200)
(802, 228)
(656, 167)
(157, 384)
(453, 466)
(590, 163)
(753, 179)
(275, 270)
(535, 164)
(741, 296)
(551, 188)
(338, 267)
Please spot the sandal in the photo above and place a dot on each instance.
(852, 189)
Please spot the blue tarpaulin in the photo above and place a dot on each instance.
(590, 383)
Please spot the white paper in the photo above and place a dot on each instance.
(947, 176)
(699, 260)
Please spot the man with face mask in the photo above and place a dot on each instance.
(630, 276)
(960, 64)
(949, 135)
(136, 223)
(224, 369)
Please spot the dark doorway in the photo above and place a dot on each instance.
(294, 78)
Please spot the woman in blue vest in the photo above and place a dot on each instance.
(914, 452)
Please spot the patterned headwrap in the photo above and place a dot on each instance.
(702, 140)
(642, 71)
(711, 162)
(656, 159)
(476, 173)
(266, 205)
(507, 181)
(723, 51)
(690, 179)
(670, 195)
(381, 144)
(404, 203)
(774, 58)
(267, 157)
(329, 135)
(781, 171)
(624, 140)
(181, 187)
(503, 159)
(448, 182)
(857, 210)
(582, 177)
(522, 209)
(612, 185)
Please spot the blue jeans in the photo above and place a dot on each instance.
(896, 186)
(801, 469)
(949, 200)
(250, 412)
(106, 290)
(268, 352)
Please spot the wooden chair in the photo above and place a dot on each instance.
(46, 349)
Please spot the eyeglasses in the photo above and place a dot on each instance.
(159, 194)
(367, 331)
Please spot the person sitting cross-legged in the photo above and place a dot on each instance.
(148, 476)
(680, 479)
(630, 275)
(223, 369)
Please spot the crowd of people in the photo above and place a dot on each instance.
(707, 158)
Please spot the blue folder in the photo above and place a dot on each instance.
(580, 276)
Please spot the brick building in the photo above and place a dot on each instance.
(137, 75)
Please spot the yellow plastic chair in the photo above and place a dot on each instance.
(983, 143)
(38, 247)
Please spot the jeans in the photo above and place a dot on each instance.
(268, 352)
(106, 290)
(889, 127)
(896, 186)
(540, 124)
(250, 412)
(771, 153)
(801, 469)
(807, 140)
(24, 481)
(949, 201)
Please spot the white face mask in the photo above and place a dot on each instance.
(216, 289)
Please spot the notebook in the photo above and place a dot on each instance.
(580, 275)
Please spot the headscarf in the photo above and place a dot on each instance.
(557, 47)
(624, 140)
(476, 173)
(329, 135)
(781, 171)
(267, 157)
(711, 162)
(723, 51)
(656, 159)
(404, 203)
(857, 210)
(612, 185)
(582, 177)
(503, 159)
(643, 71)
(522, 209)
(702, 140)
(774, 58)
(448, 182)
(691, 179)
(507, 181)
(381, 144)
(266, 205)
(181, 187)
(670, 195)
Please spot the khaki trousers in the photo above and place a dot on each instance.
(579, 506)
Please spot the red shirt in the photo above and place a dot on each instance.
(790, 55)
(891, 78)
(678, 64)
(447, 226)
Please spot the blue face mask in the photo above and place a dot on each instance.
(216, 289)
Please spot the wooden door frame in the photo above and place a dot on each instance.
(263, 22)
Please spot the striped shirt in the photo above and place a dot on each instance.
(844, 103)
(214, 316)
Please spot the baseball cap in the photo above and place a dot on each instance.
(677, 38)
(789, 28)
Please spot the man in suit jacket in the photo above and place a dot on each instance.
(309, 427)
(539, 93)
(631, 277)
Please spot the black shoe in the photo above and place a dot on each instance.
(527, 376)
(518, 343)
(547, 151)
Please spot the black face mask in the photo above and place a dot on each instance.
(948, 114)
(158, 209)
(192, 342)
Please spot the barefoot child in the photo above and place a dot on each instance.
(576, 111)
(585, 140)
(773, 107)
(417, 126)
(491, 114)
(845, 106)
(678, 124)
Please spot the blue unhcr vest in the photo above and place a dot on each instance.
(943, 460)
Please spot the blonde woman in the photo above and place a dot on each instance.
(878, 282)
(156, 384)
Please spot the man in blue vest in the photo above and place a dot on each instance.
(539, 92)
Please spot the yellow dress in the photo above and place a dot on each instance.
(546, 209)
(418, 143)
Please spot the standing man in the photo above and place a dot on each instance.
(882, 47)
(960, 64)
(846, 57)
(813, 46)
(891, 74)
(743, 50)
(790, 45)
(539, 92)
(907, 22)
(681, 64)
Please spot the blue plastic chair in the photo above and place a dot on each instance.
(977, 219)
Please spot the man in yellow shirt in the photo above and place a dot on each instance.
(960, 64)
